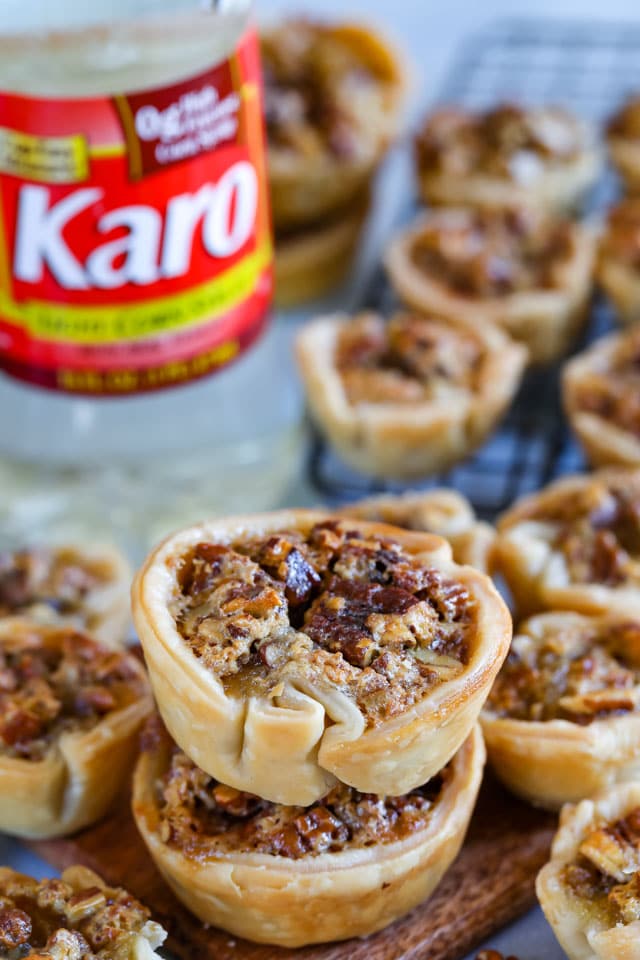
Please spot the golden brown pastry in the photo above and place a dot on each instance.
(311, 261)
(410, 396)
(291, 649)
(333, 96)
(574, 545)
(86, 587)
(543, 157)
(70, 711)
(444, 512)
(521, 271)
(618, 264)
(347, 866)
(563, 718)
(623, 140)
(77, 917)
(590, 889)
(601, 389)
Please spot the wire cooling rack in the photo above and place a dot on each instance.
(589, 68)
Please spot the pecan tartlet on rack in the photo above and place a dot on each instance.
(77, 917)
(525, 272)
(618, 263)
(601, 389)
(410, 396)
(574, 545)
(442, 511)
(333, 95)
(291, 649)
(346, 866)
(590, 889)
(563, 718)
(543, 157)
(70, 712)
(623, 141)
(87, 587)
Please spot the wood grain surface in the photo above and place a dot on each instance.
(490, 884)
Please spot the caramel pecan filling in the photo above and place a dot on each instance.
(57, 579)
(607, 870)
(494, 253)
(313, 82)
(614, 393)
(507, 141)
(357, 613)
(580, 673)
(202, 817)
(626, 122)
(52, 919)
(410, 359)
(622, 236)
(57, 680)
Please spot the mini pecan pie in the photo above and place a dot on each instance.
(290, 649)
(346, 866)
(623, 140)
(602, 399)
(543, 157)
(86, 587)
(70, 710)
(590, 889)
(574, 545)
(407, 397)
(527, 273)
(618, 264)
(333, 95)
(77, 917)
(563, 718)
(443, 512)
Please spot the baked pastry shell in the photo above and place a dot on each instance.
(553, 762)
(306, 189)
(604, 442)
(79, 777)
(624, 153)
(545, 321)
(284, 749)
(536, 573)
(291, 903)
(621, 283)
(580, 937)
(406, 441)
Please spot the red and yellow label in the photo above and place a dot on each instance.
(135, 249)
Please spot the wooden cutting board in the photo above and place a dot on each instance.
(490, 884)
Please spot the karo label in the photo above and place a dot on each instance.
(135, 248)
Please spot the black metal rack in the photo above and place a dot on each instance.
(590, 69)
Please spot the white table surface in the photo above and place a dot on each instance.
(430, 31)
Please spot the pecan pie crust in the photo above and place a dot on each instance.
(70, 711)
(563, 718)
(516, 269)
(310, 643)
(590, 889)
(346, 866)
(409, 396)
(623, 141)
(618, 263)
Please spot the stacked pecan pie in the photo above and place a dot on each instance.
(319, 680)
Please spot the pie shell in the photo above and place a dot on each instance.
(312, 261)
(621, 283)
(306, 189)
(77, 781)
(333, 896)
(137, 945)
(604, 442)
(402, 440)
(521, 554)
(442, 511)
(582, 937)
(624, 153)
(553, 762)
(282, 749)
(546, 321)
(559, 190)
